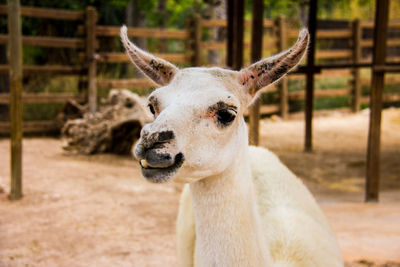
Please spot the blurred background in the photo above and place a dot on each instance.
(188, 33)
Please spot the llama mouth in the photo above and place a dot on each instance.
(161, 174)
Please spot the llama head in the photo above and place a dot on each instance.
(198, 126)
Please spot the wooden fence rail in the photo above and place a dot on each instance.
(45, 69)
(47, 13)
(45, 41)
(43, 98)
(194, 46)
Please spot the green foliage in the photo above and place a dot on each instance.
(180, 10)
(332, 102)
(274, 8)
(41, 112)
(112, 11)
(346, 9)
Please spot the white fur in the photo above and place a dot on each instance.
(294, 228)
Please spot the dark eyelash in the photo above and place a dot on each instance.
(151, 109)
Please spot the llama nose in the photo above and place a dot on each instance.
(152, 140)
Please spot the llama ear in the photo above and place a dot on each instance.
(157, 69)
(267, 71)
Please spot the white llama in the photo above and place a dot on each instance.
(242, 206)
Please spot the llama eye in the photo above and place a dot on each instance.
(226, 116)
(152, 109)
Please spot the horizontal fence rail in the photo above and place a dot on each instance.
(45, 41)
(142, 32)
(47, 13)
(32, 127)
(45, 69)
(43, 98)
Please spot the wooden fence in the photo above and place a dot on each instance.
(121, 57)
(279, 34)
(277, 40)
(45, 41)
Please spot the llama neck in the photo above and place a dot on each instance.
(227, 222)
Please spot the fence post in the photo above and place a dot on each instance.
(91, 20)
(235, 31)
(196, 58)
(356, 59)
(312, 27)
(15, 46)
(256, 54)
(377, 87)
(282, 86)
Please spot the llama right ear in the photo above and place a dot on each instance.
(157, 69)
(267, 71)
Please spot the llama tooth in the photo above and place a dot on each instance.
(144, 164)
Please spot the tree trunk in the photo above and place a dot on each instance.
(217, 11)
(162, 12)
(303, 13)
(135, 18)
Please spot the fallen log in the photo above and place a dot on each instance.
(114, 128)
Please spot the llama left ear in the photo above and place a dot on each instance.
(267, 71)
(157, 69)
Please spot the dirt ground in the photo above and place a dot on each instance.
(98, 211)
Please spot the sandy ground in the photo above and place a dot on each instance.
(98, 211)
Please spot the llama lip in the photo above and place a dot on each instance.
(160, 175)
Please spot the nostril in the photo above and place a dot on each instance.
(155, 140)
(159, 145)
(165, 136)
